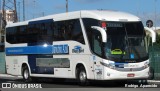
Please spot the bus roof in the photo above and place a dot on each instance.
(105, 15)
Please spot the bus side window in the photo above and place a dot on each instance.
(59, 31)
(77, 33)
(68, 30)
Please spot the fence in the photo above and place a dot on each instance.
(2, 63)
(154, 54)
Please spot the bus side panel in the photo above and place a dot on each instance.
(14, 64)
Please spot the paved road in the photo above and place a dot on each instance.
(69, 85)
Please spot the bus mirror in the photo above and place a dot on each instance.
(153, 34)
(102, 31)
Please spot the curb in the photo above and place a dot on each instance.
(9, 76)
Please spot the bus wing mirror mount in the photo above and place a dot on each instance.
(153, 34)
(102, 31)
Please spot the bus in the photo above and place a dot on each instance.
(83, 45)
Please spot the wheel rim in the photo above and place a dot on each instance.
(26, 74)
(82, 76)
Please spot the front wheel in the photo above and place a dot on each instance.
(26, 74)
(82, 76)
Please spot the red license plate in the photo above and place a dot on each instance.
(130, 75)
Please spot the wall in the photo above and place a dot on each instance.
(2, 63)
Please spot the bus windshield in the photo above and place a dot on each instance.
(126, 42)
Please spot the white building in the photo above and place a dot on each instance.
(10, 18)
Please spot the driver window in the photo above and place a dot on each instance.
(96, 40)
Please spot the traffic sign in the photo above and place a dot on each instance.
(149, 23)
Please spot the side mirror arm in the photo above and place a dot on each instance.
(102, 31)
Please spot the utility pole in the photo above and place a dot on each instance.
(19, 11)
(66, 6)
(0, 4)
(34, 5)
(155, 1)
(24, 10)
(42, 13)
(0, 15)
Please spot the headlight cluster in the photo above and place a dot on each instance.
(108, 65)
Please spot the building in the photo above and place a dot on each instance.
(0, 18)
(9, 17)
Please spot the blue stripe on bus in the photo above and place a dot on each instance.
(39, 70)
(49, 49)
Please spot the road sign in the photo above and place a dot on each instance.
(149, 23)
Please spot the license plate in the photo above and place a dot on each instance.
(130, 75)
(125, 65)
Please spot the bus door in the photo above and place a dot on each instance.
(97, 54)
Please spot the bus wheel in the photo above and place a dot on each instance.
(82, 76)
(26, 75)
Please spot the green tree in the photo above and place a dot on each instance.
(157, 40)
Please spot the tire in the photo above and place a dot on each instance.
(26, 75)
(82, 76)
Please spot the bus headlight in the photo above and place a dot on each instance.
(108, 65)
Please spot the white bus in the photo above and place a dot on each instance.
(83, 45)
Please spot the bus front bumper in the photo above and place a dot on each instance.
(111, 74)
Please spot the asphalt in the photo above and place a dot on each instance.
(19, 77)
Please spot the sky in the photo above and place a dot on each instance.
(145, 9)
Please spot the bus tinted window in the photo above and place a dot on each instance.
(77, 32)
(46, 32)
(68, 30)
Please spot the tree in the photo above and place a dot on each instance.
(157, 40)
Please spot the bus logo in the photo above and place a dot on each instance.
(60, 49)
(77, 49)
